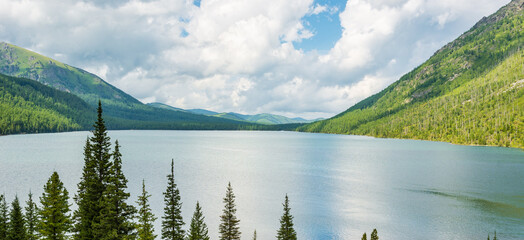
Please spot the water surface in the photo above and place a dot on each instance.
(339, 186)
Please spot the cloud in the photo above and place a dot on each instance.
(231, 55)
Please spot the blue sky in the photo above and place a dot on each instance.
(325, 27)
(302, 58)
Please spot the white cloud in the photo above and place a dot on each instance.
(232, 55)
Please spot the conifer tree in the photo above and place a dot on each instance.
(364, 237)
(93, 183)
(3, 217)
(255, 235)
(116, 215)
(198, 229)
(172, 221)
(16, 229)
(31, 218)
(55, 220)
(228, 227)
(286, 231)
(374, 235)
(100, 152)
(86, 198)
(145, 230)
(494, 237)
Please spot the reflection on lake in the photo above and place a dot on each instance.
(339, 186)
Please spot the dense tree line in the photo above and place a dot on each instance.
(28, 106)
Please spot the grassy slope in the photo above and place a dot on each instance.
(28, 107)
(122, 110)
(469, 92)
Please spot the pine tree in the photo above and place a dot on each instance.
(374, 235)
(145, 216)
(31, 218)
(172, 221)
(55, 220)
(255, 235)
(16, 229)
(100, 149)
(229, 229)
(364, 237)
(86, 198)
(198, 229)
(494, 237)
(3, 217)
(93, 183)
(116, 215)
(286, 231)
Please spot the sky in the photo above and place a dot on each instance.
(298, 58)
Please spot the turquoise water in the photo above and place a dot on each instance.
(339, 186)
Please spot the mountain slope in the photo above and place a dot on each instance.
(121, 110)
(468, 92)
(30, 107)
(20, 62)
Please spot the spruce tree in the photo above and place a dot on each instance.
(198, 229)
(31, 218)
(94, 182)
(116, 215)
(100, 149)
(16, 229)
(172, 221)
(374, 235)
(146, 218)
(3, 217)
(228, 227)
(255, 235)
(494, 236)
(55, 220)
(364, 237)
(286, 231)
(86, 198)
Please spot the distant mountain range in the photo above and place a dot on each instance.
(471, 91)
(263, 118)
(121, 110)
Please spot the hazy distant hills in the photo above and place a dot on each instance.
(263, 118)
(471, 91)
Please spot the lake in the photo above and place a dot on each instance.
(339, 186)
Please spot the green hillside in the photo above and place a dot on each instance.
(122, 110)
(30, 107)
(20, 62)
(469, 92)
(165, 106)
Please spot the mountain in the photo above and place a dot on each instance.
(263, 118)
(165, 106)
(202, 112)
(28, 106)
(122, 111)
(471, 91)
(20, 62)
